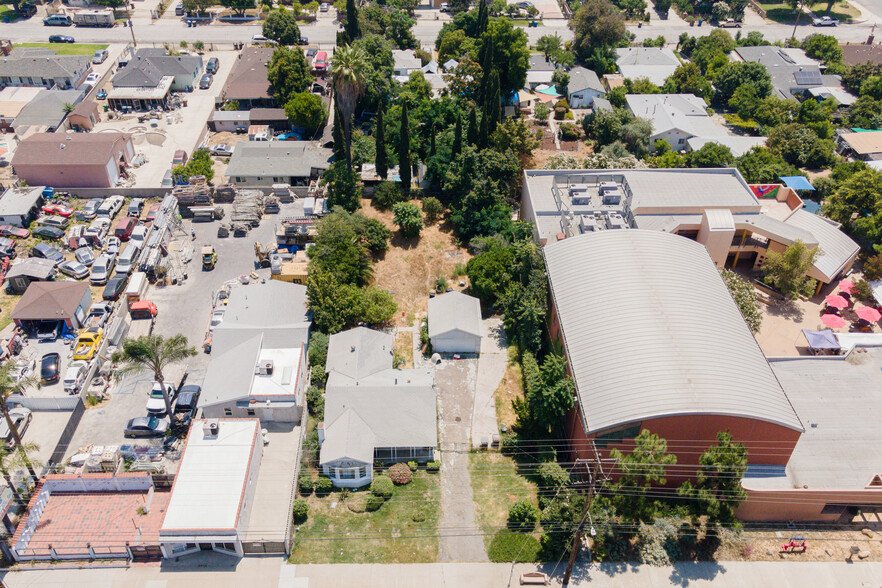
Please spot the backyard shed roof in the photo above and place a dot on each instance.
(20, 201)
(50, 301)
(32, 267)
(659, 335)
(865, 143)
(454, 311)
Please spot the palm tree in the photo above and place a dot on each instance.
(348, 70)
(8, 386)
(9, 460)
(154, 353)
(68, 108)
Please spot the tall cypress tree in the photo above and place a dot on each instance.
(483, 14)
(494, 104)
(484, 130)
(486, 68)
(382, 159)
(473, 127)
(457, 137)
(404, 165)
(352, 28)
(432, 141)
(339, 142)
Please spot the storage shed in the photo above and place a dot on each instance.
(455, 323)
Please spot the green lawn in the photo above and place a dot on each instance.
(67, 48)
(496, 485)
(781, 12)
(388, 535)
(6, 10)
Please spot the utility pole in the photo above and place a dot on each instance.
(799, 8)
(131, 26)
(578, 539)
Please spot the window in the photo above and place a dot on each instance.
(228, 412)
(250, 412)
(346, 473)
(681, 141)
(618, 436)
(383, 453)
(226, 546)
(239, 180)
(362, 472)
(181, 547)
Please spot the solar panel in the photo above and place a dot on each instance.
(807, 77)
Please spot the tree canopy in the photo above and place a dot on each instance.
(281, 26)
(288, 74)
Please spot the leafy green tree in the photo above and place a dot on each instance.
(404, 162)
(351, 26)
(711, 155)
(801, 146)
(473, 127)
(318, 350)
(199, 7)
(432, 208)
(858, 196)
(745, 297)
(687, 79)
(377, 71)
(597, 24)
(738, 73)
(387, 194)
(788, 271)
(288, 74)
(488, 273)
(549, 45)
(514, 135)
(873, 267)
(642, 468)
(281, 26)
(865, 113)
(717, 491)
(561, 81)
(372, 232)
(823, 47)
(392, 23)
(153, 353)
(548, 395)
(761, 165)
(344, 189)
(339, 251)
(200, 164)
(457, 135)
(382, 159)
(773, 112)
(347, 70)
(336, 306)
(854, 76)
(238, 6)
(409, 218)
(306, 110)
(523, 516)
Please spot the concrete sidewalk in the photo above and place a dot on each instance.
(491, 368)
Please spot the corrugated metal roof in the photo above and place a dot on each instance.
(837, 248)
(454, 311)
(651, 330)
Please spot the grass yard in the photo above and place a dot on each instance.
(781, 12)
(496, 485)
(67, 48)
(6, 10)
(388, 535)
(404, 348)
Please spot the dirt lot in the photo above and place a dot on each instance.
(541, 155)
(411, 266)
(822, 545)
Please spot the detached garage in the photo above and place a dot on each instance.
(47, 306)
(455, 323)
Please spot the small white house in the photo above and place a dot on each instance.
(455, 323)
(584, 86)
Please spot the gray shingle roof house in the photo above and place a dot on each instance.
(19, 206)
(148, 66)
(64, 71)
(793, 72)
(373, 412)
(47, 110)
(455, 323)
(584, 88)
(247, 83)
(652, 63)
(264, 163)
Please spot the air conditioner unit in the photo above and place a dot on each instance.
(264, 368)
(210, 427)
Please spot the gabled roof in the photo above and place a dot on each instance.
(406, 59)
(359, 352)
(837, 248)
(68, 149)
(149, 66)
(32, 267)
(684, 112)
(348, 436)
(48, 66)
(539, 63)
(855, 53)
(231, 372)
(248, 79)
(454, 311)
(278, 159)
(47, 109)
(50, 301)
(676, 343)
(653, 63)
(582, 78)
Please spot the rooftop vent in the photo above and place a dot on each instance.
(264, 368)
(210, 427)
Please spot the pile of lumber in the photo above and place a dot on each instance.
(199, 195)
(247, 207)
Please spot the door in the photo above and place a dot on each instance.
(267, 415)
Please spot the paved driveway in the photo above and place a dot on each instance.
(491, 368)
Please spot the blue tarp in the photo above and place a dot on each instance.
(821, 339)
(797, 183)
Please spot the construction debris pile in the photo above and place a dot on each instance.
(247, 210)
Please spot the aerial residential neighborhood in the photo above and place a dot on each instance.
(466, 293)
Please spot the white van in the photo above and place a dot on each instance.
(137, 288)
(127, 259)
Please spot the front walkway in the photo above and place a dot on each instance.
(491, 369)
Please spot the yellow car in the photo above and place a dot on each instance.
(87, 345)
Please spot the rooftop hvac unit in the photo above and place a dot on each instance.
(612, 198)
(588, 224)
(616, 221)
(210, 427)
(264, 368)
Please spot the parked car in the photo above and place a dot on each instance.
(205, 81)
(179, 9)
(188, 400)
(730, 23)
(75, 376)
(156, 403)
(110, 206)
(212, 65)
(7, 247)
(259, 39)
(74, 269)
(21, 418)
(93, 78)
(58, 210)
(311, 52)
(324, 7)
(61, 39)
(146, 427)
(101, 95)
(53, 221)
(48, 232)
(139, 235)
(152, 212)
(124, 228)
(113, 246)
(101, 269)
(825, 21)
(90, 210)
(100, 226)
(47, 252)
(49, 368)
(135, 207)
(217, 317)
(49, 331)
(115, 286)
(100, 56)
(445, 7)
(85, 256)
(12, 231)
(303, 41)
(180, 158)
(222, 150)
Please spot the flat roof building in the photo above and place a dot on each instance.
(674, 356)
(213, 492)
(264, 163)
(19, 206)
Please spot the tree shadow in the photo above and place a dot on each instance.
(685, 572)
(400, 241)
(787, 309)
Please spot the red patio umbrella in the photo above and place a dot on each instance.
(836, 301)
(868, 313)
(833, 321)
(846, 286)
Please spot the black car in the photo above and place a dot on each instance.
(115, 287)
(303, 41)
(49, 368)
(188, 399)
(48, 232)
(205, 82)
(212, 65)
(61, 39)
(47, 252)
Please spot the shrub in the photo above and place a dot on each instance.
(419, 516)
(551, 477)
(508, 445)
(507, 546)
(358, 503)
(305, 485)
(432, 208)
(387, 194)
(433, 466)
(315, 402)
(373, 503)
(323, 486)
(400, 474)
(570, 132)
(657, 543)
(413, 465)
(863, 291)
(873, 267)
(522, 516)
(301, 511)
(382, 487)
(541, 112)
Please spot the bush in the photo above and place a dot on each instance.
(400, 474)
(551, 477)
(522, 516)
(508, 444)
(315, 402)
(873, 267)
(570, 132)
(387, 194)
(413, 465)
(432, 208)
(657, 543)
(305, 484)
(541, 112)
(323, 486)
(301, 511)
(433, 466)
(382, 487)
(863, 291)
(373, 503)
(419, 516)
(507, 546)
(358, 503)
